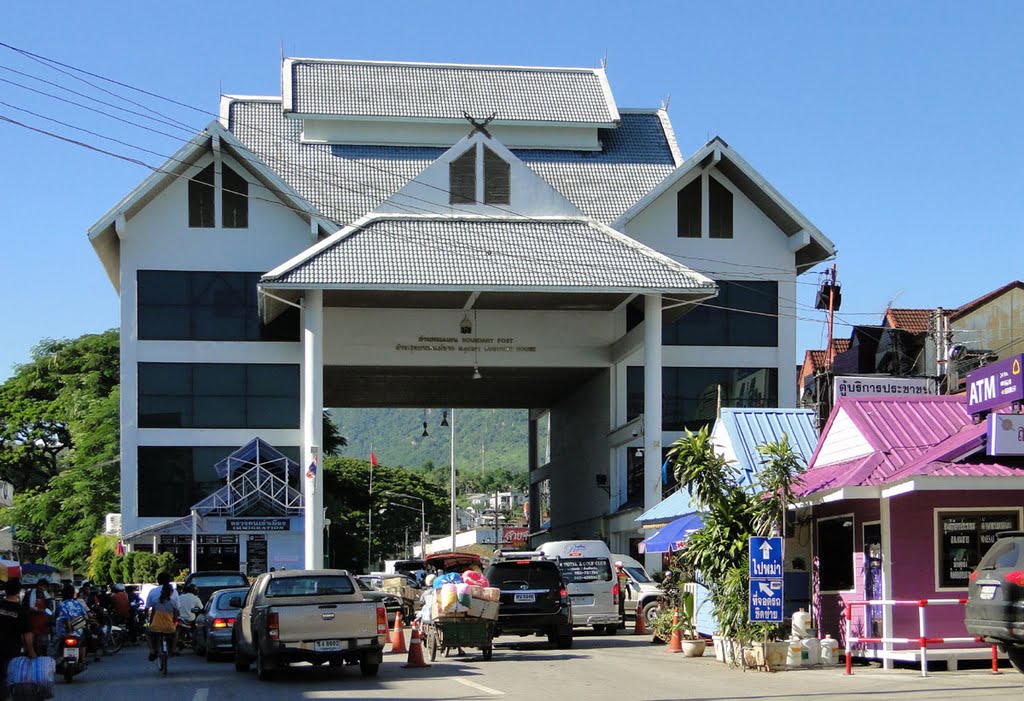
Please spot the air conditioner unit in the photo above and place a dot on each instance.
(112, 524)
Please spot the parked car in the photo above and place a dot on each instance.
(586, 566)
(392, 604)
(533, 599)
(644, 592)
(995, 597)
(308, 616)
(213, 634)
(210, 581)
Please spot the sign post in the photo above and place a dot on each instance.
(765, 557)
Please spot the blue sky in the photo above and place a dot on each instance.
(895, 127)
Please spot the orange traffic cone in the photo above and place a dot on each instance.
(641, 626)
(398, 636)
(675, 644)
(415, 651)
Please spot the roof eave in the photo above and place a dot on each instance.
(547, 123)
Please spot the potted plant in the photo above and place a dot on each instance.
(731, 514)
(693, 644)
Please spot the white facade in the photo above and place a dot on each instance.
(526, 338)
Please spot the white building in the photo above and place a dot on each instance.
(357, 242)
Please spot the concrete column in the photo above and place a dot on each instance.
(312, 426)
(652, 409)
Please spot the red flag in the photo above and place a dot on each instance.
(373, 459)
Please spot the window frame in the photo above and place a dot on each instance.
(467, 180)
(938, 559)
(722, 226)
(198, 192)
(235, 194)
(853, 550)
(687, 190)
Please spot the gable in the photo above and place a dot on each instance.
(430, 192)
(842, 441)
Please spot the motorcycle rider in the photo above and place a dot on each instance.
(122, 607)
(70, 613)
(188, 601)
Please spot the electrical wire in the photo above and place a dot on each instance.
(178, 124)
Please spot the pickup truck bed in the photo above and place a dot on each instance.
(308, 616)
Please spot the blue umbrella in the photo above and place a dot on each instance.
(671, 537)
(37, 568)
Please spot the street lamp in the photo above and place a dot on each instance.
(423, 517)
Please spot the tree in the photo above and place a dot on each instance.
(59, 443)
(348, 503)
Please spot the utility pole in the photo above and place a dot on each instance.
(830, 353)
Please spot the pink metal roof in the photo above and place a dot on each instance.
(911, 436)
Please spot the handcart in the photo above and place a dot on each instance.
(456, 632)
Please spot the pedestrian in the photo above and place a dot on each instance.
(15, 630)
(40, 607)
(624, 591)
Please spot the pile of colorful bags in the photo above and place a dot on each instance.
(468, 594)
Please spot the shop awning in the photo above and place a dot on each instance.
(673, 536)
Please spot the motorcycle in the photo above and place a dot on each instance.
(71, 654)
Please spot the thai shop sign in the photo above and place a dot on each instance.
(875, 385)
(995, 385)
(265, 525)
(1005, 434)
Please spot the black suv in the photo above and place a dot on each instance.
(210, 581)
(995, 597)
(533, 600)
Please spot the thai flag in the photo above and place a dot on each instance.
(311, 471)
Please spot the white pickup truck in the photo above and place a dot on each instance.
(308, 616)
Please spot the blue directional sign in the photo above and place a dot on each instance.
(766, 601)
(765, 558)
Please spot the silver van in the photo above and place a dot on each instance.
(589, 576)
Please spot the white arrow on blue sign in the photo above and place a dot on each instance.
(765, 558)
(766, 601)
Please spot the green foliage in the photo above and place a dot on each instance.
(780, 468)
(731, 514)
(484, 438)
(59, 444)
(347, 499)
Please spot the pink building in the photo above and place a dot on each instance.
(902, 502)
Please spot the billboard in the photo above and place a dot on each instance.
(995, 385)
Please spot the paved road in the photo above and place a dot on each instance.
(623, 668)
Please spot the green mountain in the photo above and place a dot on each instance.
(484, 438)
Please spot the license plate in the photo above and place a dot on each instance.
(988, 591)
(71, 653)
(327, 646)
(525, 598)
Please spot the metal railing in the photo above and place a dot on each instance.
(922, 639)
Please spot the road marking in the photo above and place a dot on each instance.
(201, 695)
(480, 687)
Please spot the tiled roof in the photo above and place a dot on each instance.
(911, 436)
(457, 253)
(749, 428)
(915, 321)
(818, 357)
(985, 299)
(439, 91)
(346, 182)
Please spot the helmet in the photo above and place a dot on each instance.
(192, 589)
(429, 581)
(619, 563)
(118, 587)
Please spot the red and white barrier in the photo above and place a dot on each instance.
(922, 639)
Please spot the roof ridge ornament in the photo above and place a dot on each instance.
(479, 126)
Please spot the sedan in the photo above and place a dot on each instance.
(213, 625)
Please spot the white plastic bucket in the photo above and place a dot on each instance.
(829, 650)
(794, 652)
(810, 653)
(801, 623)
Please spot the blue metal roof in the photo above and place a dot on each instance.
(668, 509)
(749, 428)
